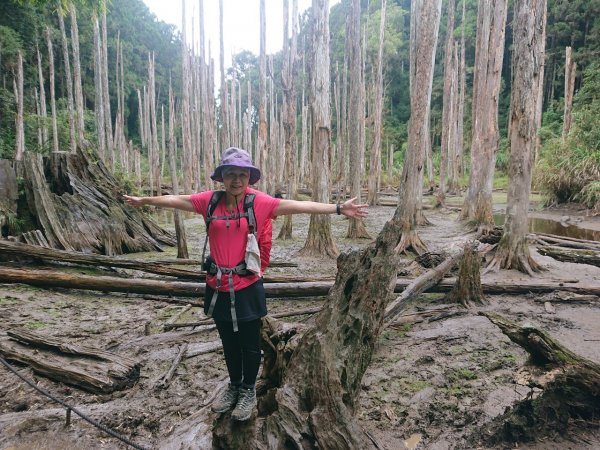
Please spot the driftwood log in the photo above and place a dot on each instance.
(88, 368)
(579, 256)
(570, 388)
(74, 201)
(52, 278)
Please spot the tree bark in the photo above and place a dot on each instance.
(69, 80)
(186, 131)
(319, 240)
(261, 144)
(424, 27)
(356, 117)
(99, 99)
(43, 112)
(570, 72)
(375, 162)
(579, 256)
(52, 90)
(528, 74)
(467, 289)
(489, 52)
(225, 132)
(77, 74)
(19, 119)
(105, 90)
(570, 388)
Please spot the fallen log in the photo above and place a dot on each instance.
(560, 242)
(48, 279)
(90, 259)
(88, 368)
(578, 256)
(570, 389)
(165, 380)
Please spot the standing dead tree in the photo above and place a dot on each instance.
(52, 91)
(570, 72)
(527, 80)
(424, 27)
(489, 52)
(69, 79)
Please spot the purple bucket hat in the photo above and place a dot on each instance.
(237, 157)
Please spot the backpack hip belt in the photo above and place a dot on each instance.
(240, 269)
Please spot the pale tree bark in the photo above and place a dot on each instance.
(375, 163)
(69, 80)
(52, 91)
(205, 94)
(529, 41)
(77, 74)
(447, 117)
(20, 128)
(261, 148)
(319, 240)
(460, 139)
(99, 101)
(570, 71)
(154, 163)
(270, 169)
(182, 250)
(356, 117)
(105, 90)
(225, 132)
(453, 129)
(343, 144)
(390, 165)
(489, 52)
(304, 147)
(141, 120)
(43, 112)
(288, 76)
(424, 28)
(38, 112)
(186, 132)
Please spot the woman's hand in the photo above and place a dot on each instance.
(134, 201)
(351, 209)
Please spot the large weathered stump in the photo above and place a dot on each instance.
(570, 389)
(74, 201)
(467, 289)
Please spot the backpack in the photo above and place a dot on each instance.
(264, 238)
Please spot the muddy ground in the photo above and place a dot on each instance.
(431, 384)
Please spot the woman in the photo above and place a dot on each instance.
(235, 295)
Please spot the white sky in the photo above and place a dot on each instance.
(240, 22)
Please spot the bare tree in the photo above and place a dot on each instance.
(105, 89)
(225, 132)
(570, 71)
(43, 112)
(424, 28)
(447, 117)
(261, 149)
(489, 51)
(77, 74)
(52, 90)
(99, 103)
(186, 131)
(375, 163)
(319, 240)
(529, 39)
(18, 89)
(288, 76)
(69, 80)
(356, 116)
(461, 98)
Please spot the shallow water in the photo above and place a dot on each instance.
(548, 226)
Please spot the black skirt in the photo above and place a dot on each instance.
(250, 303)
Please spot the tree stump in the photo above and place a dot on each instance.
(467, 289)
(570, 388)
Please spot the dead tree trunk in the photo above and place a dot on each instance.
(186, 131)
(105, 90)
(69, 80)
(460, 139)
(19, 119)
(319, 240)
(261, 144)
(570, 72)
(375, 162)
(489, 51)
(570, 389)
(77, 74)
(528, 75)
(447, 110)
(424, 27)
(356, 117)
(99, 100)
(288, 77)
(467, 289)
(225, 132)
(52, 91)
(43, 112)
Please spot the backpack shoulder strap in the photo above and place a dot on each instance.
(212, 205)
(249, 209)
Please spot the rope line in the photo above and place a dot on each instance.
(75, 410)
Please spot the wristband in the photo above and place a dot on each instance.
(338, 209)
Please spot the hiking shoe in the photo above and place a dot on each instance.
(226, 400)
(245, 405)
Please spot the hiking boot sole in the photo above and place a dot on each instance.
(242, 418)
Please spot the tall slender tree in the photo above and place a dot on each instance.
(69, 79)
(529, 40)
(319, 240)
(570, 72)
(261, 149)
(105, 88)
(78, 90)
(55, 146)
(99, 100)
(356, 117)
(20, 127)
(43, 112)
(489, 51)
(424, 28)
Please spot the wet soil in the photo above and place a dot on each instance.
(432, 381)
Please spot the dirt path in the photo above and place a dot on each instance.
(431, 383)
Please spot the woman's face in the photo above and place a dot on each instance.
(236, 180)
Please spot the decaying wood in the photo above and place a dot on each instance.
(88, 368)
(165, 380)
(563, 241)
(570, 388)
(74, 200)
(173, 319)
(420, 285)
(579, 256)
(567, 297)
(467, 289)
(48, 278)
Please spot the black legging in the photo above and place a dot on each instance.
(242, 350)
